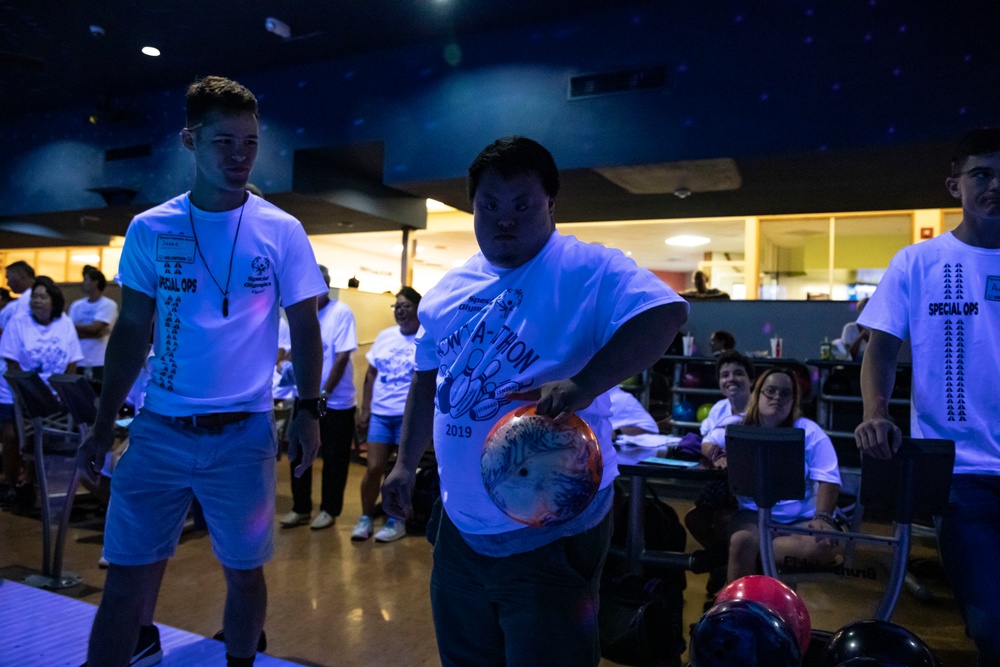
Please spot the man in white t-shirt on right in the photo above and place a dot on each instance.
(944, 295)
(93, 316)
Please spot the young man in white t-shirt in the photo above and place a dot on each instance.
(534, 316)
(944, 295)
(336, 428)
(205, 271)
(93, 316)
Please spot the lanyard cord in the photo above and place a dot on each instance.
(229, 273)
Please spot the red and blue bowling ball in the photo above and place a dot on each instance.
(777, 597)
(743, 633)
(878, 642)
(683, 412)
(538, 471)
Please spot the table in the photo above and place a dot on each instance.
(630, 465)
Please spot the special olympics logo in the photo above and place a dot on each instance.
(260, 265)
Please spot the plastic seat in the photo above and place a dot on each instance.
(766, 465)
(47, 426)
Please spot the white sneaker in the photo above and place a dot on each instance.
(322, 520)
(363, 530)
(294, 519)
(391, 531)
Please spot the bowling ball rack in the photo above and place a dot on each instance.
(913, 483)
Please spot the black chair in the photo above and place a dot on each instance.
(44, 422)
(766, 465)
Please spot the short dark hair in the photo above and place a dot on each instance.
(23, 267)
(410, 294)
(734, 357)
(58, 301)
(96, 276)
(976, 142)
(726, 339)
(512, 156)
(216, 93)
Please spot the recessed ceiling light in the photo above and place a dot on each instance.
(434, 206)
(687, 240)
(150, 51)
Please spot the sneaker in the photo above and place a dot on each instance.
(147, 650)
(391, 531)
(363, 530)
(293, 519)
(322, 520)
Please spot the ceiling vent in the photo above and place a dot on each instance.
(622, 81)
(680, 178)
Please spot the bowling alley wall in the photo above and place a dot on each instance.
(736, 80)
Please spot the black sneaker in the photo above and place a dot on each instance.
(148, 651)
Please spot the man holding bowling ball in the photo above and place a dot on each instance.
(534, 316)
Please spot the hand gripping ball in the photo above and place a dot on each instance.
(538, 471)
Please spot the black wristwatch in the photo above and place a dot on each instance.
(315, 406)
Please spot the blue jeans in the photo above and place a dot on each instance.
(969, 542)
(533, 608)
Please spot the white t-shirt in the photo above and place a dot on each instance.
(6, 397)
(393, 356)
(47, 349)
(283, 377)
(490, 331)
(944, 296)
(821, 466)
(626, 410)
(339, 333)
(84, 311)
(851, 333)
(721, 410)
(204, 362)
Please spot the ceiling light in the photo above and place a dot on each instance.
(434, 206)
(277, 27)
(687, 240)
(150, 51)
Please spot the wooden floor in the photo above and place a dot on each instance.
(337, 602)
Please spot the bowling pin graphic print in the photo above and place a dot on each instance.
(481, 359)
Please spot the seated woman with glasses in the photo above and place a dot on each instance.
(774, 402)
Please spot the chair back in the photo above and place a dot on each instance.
(77, 395)
(36, 398)
(766, 464)
(915, 482)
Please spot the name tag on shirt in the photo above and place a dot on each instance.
(174, 248)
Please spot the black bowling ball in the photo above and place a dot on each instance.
(877, 642)
(743, 633)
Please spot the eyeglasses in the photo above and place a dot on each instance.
(775, 393)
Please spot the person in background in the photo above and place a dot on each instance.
(855, 336)
(774, 402)
(43, 341)
(721, 341)
(628, 417)
(336, 428)
(391, 362)
(943, 295)
(20, 277)
(93, 316)
(708, 522)
(5, 297)
(736, 373)
(701, 290)
(534, 316)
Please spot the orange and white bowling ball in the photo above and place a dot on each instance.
(538, 471)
